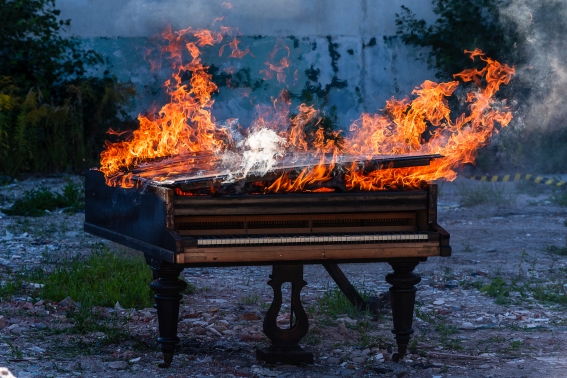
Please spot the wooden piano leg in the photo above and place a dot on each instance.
(402, 292)
(167, 287)
(285, 342)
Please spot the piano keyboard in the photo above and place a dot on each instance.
(257, 240)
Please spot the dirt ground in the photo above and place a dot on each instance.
(495, 308)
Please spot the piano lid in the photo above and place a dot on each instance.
(213, 170)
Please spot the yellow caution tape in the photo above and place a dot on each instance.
(518, 177)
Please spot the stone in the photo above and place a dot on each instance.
(5, 373)
(438, 302)
(27, 306)
(118, 365)
(67, 302)
(250, 316)
(37, 349)
(359, 360)
(334, 360)
(15, 329)
(118, 306)
(467, 325)
(40, 326)
(2, 322)
(342, 329)
(199, 330)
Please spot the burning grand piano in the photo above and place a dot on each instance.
(286, 192)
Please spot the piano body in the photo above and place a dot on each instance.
(284, 230)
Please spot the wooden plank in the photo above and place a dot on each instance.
(398, 201)
(244, 224)
(309, 252)
(432, 203)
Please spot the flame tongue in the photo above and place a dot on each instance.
(185, 126)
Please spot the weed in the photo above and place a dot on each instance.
(445, 331)
(559, 198)
(561, 251)
(14, 350)
(250, 299)
(36, 202)
(101, 279)
(499, 289)
(313, 336)
(477, 284)
(483, 193)
(530, 188)
(515, 345)
(428, 317)
(334, 302)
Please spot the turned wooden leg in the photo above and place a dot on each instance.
(285, 342)
(167, 287)
(402, 292)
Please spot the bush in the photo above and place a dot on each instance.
(52, 116)
(35, 202)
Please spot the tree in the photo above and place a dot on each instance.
(52, 116)
(462, 25)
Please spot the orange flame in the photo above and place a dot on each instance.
(186, 126)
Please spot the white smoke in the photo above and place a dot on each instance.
(542, 23)
(256, 155)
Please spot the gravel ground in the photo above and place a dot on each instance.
(460, 329)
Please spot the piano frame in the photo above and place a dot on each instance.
(284, 230)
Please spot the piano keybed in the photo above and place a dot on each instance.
(273, 240)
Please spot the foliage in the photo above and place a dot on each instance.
(101, 279)
(52, 116)
(36, 201)
(559, 198)
(334, 302)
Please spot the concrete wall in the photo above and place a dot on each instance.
(344, 51)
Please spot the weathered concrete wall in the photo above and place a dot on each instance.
(344, 52)
(138, 18)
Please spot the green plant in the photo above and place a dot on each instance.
(483, 193)
(250, 299)
(498, 288)
(560, 198)
(52, 116)
(334, 302)
(470, 24)
(493, 26)
(561, 251)
(35, 202)
(101, 279)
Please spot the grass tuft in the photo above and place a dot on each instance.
(334, 302)
(101, 279)
(35, 202)
(559, 198)
(484, 193)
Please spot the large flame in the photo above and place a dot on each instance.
(185, 125)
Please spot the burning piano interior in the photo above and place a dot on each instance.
(285, 191)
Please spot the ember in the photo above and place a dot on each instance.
(184, 139)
